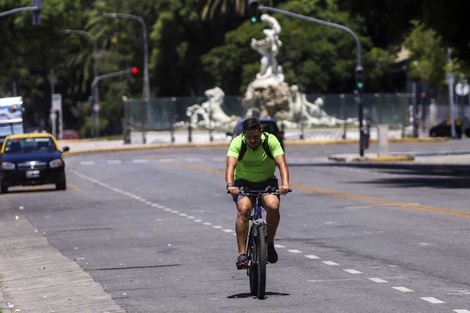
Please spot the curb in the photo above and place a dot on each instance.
(383, 158)
(225, 144)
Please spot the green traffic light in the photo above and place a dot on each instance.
(360, 85)
(254, 19)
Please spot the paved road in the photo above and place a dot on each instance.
(444, 153)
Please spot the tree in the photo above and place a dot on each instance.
(392, 18)
(210, 8)
(427, 55)
(319, 58)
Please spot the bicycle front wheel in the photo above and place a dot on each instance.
(253, 257)
(262, 252)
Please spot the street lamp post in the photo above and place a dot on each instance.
(358, 69)
(94, 87)
(146, 68)
(94, 109)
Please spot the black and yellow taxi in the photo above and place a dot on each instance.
(31, 159)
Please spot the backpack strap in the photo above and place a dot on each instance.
(265, 145)
(242, 151)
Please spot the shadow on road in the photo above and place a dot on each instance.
(408, 174)
(249, 295)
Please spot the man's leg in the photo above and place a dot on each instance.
(244, 207)
(271, 203)
(272, 215)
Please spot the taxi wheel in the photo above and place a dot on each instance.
(61, 185)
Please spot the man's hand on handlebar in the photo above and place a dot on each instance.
(284, 189)
(234, 190)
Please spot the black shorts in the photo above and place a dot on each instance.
(272, 182)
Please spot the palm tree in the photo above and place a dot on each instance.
(210, 8)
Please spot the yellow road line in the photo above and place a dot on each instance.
(385, 202)
(73, 187)
(367, 199)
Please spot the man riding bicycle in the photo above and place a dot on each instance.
(254, 166)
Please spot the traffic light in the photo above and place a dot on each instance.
(134, 70)
(253, 11)
(91, 101)
(359, 78)
(36, 12)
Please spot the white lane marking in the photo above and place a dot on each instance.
(217, 227)
(166, 160)
(140, 161)
(459, 292)
(352, 271)
(279, 246)
(207, 224)
(330, 263)
(432, 300)
(294, 251)
(114, 161)
(190, 217)
(402, 289)
(198, 221)
(461, 311)
(228, 230)
(378, 280)
(329, 280)
(87, 163)
(312, 257)
(183, 214)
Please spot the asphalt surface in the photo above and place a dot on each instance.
(21, 235)
(445, 154)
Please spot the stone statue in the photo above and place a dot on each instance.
(310, 114)
(268, 48)
(268, 95)
(200, 114)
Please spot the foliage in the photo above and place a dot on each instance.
(196, 44)
(427, 56)
(319, 58)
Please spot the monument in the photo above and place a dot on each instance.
(267, 96)
(209, 114)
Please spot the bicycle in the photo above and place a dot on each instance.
(257, 245)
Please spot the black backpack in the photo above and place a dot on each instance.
(265, 145)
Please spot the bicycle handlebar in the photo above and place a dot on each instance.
(269, 190)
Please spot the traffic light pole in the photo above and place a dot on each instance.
(94, 95)
(358, 70)
(36, 8)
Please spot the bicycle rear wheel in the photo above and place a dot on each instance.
(262, 252)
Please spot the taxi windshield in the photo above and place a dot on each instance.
(28, 145)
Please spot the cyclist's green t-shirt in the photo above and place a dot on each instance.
(256, 165)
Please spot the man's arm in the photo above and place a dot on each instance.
(231, 162)
(284, 171)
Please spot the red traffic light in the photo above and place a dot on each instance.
(134, 70)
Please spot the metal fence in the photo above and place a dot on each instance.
(162, 114)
